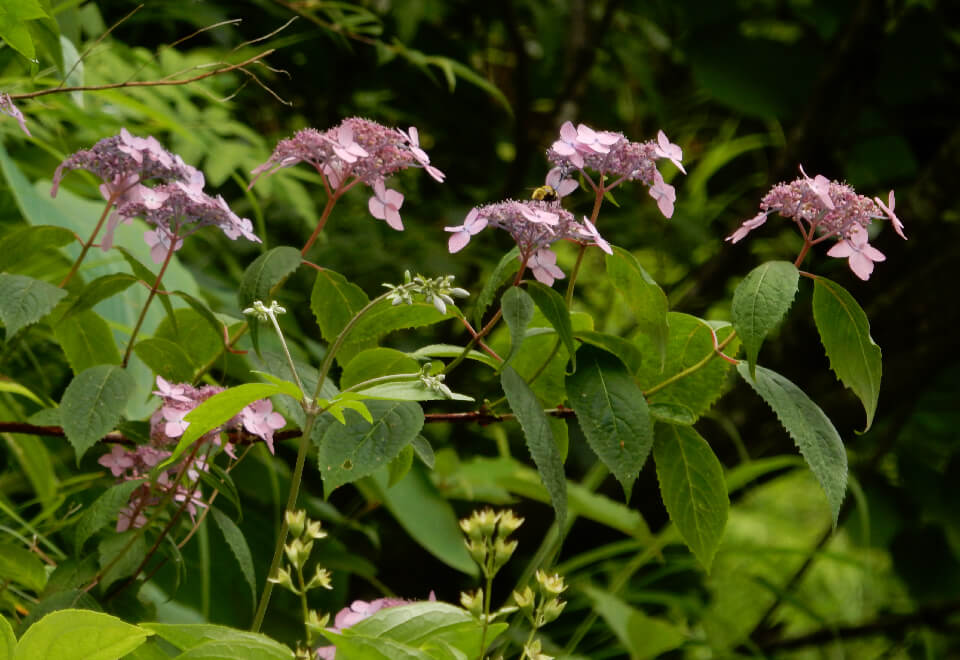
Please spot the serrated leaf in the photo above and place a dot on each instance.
(186, 636)
(25, 300)
(845, 333)
(613, 414)
(423, 623)
(334, 301)
(23, 244)
(192, 332)
(507, 266)
(645, 298)
(624, 349)
(99, 289)
(517, 309)
(347, 453)
(693, 488)
(238, 545)
(79, 635)
(375, 363)
(536, 430)
(370, 648)
(263, 277)
(92, 405)
(87, 341)
(690, 341)
(166, 359)
(818, 440)
(122, 553)
(258, 649)
(554, 309)
(23, 567)
(102, 512)
(760, 302)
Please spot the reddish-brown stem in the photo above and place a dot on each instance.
(89, 243)
(153, 292)
(480, 343)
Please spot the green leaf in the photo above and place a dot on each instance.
(36, 465)
(23, 567)
(144, 274)
(238, 545)
(612, 413)
(400, 466)
(624, 349)
(384, 318)
(186, 636)
(8, 641)
(818, 441)
(693, 488)
(79, 635)
(92, 405)
(690, 341)
(554, 309)
(24, 301)
(123, 553)
(334, 301)
(219, 479)
(506, 267)
(370, 648)
(375, 363)
(422, 623)
(103, 512)
(257, 649)
(14, 15)
(408, 390)
(642, 635)
(105, 286)
(263, 277)
(192, 332)
(452, 351)
(517, 309)
(347, 453)
(845, 333)
(424, 451)
(760, 302)
(645, 298)
(23, 244)
(87, 341)
(166, 359)
(427, 516)
(536, 430)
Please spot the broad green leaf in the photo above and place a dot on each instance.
(408, 390)
(624, 349)
(427, 516)
(375, 363)
(93, 404)
(645, 298)
(810, 428)
(24, 301)
(517, 309)
(642, 635)
(79, 635)
(506, 267)
(14, 28)
(87, 341)
(201, 308)
(845, 333)
(192, 332)
(424, 451)
(689, 343)
(122, 559)
(672, 413)
(423, 622)
(693, 489)
(71, 574)
(238, 545)
(102, 512)
(262, 278)
(334, 301)
(8, 641)
(166, 359)
(384, 318)
(400, 466)
(361, 647)
(536, 430)
(16, 388)
(147, 276)
(187, 636)
(23, 567)
(105, 286)
(613, 414)
(258, 649)
(23, 244)
(451, 351)
(554, 309)
(760, 302)
(347, 453)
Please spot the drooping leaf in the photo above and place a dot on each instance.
(451, 351)
(334, 301)
(645, 637)
(120, 555)
(8, 641)
(613, 414)
(384, 318)
(99, 289)
(23, 567)
(79, 635)
(238, 545)
(810, 428)
(24, 243)
(92, 405)
(375, 363)
(760, 302)
(25, 300)
(517, 309)
(845, 333)
(14, 26)
(166, 359)
(102, 512)
(263, 277)
(693, 488)
(554, 309)
(350, 452)
(624, 349)
(645, 298)
(87, 341)
(145, 275)
(424, 451)
(536, 430)
(506, 267)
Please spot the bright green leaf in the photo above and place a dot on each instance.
(760, 302)
(23, 567)
(92, 405)
(187, 636)
(554, 309)
(645, 298)
(105, 286)
(23, 244)
(334, 301)
(642, 635)
(375, 363)
(24, 301)
(87, 341)
(79, 635)
(8, 641)
(166, 359)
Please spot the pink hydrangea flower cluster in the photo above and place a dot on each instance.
(8, 108)
(825, 209)
(612, 154)
(356, 151)
(166, 427)
(356, 612)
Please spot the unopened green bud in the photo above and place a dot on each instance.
(316, 623)
(533, 651)
(298, 552)
(551, 584)
(477, 550)
(524, 599)
(282, 578)
(502, 551)
(509, 522)
(487, 521)
(472, 602)
(552, 609)
(321, 578)
(313, 530)
(296, 521)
